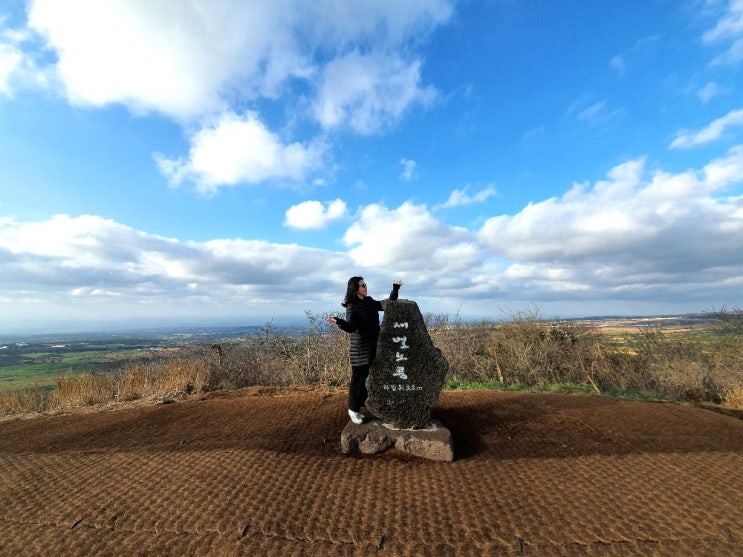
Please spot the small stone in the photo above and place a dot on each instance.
(243, 531)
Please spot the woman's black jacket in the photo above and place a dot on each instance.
(362, 321)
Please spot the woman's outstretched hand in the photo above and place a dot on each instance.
(398, 282)
(330, 319)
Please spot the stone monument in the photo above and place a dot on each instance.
(404, 384)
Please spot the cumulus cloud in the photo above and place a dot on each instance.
(639, 237)
(314, 215)
(632, 224)
(83, 262)
(196, 57)
(406, 239)
(199, 61)
(630, 241)
(714, 131)
(179, 61)
(367, 92)
(239, 149)
(459, 198)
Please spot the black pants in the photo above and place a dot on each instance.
(357, 392)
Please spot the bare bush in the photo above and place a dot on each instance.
(315, 355)
(528, 351)
(525, 351)
(465, 346)
(706, 366)
(729, 320)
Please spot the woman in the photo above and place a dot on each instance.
(362, 321)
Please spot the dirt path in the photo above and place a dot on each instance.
(259, 472)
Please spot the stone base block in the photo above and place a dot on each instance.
(372, 437)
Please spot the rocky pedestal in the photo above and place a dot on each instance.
(372, 437)
(404, 384)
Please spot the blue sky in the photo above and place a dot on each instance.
(186, 162)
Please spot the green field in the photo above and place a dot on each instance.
(24, 364)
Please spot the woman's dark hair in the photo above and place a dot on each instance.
(353, 287)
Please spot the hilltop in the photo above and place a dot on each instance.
(259, 471)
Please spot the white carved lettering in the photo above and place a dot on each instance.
(395, 387)
(400, 372)
(402, 341)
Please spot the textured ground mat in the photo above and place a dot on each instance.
(259, 472)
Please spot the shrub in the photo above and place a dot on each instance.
(316, 355)
(525, 352)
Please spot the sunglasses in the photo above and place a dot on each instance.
(362, 285)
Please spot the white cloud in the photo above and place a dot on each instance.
(631, 224)
(532, 135)
(178, 60)
(728, 28)
(730, 25)
(592, 111)
(710, 91)
(687, 139)
(408, 238)
(355, 64)
(18, 70)
(596, 114)
(314, 215)
(367, 92)
(10, 61)
(634, 241)
(240, 149)
(459, 198)
(408, 170)
(86, 266)
(618, 64)
(723, 172)
(194, 57)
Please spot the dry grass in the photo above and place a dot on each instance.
(734, 398)
(525, 352)
(23, 401)
(174, 377)
(83, 389)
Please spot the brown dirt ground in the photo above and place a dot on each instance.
(259, 472)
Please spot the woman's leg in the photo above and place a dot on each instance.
(357, 392)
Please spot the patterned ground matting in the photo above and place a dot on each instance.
(259, 472)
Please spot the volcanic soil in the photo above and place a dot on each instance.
(260, 472)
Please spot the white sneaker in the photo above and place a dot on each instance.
(356, 417)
